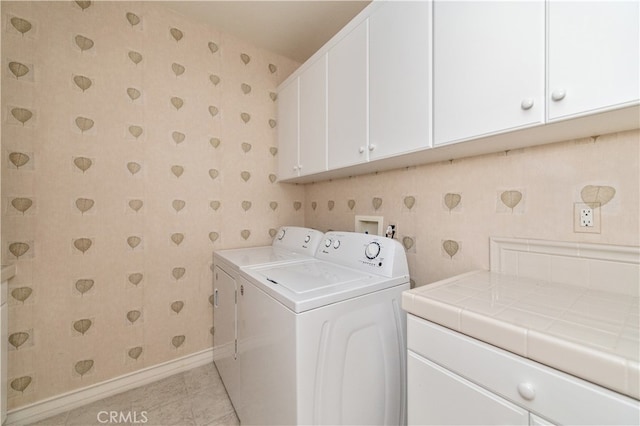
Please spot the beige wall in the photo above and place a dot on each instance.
(57, 207)
(549, 177)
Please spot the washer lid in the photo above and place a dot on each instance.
(308, 277)
(255, 256)
(312, 284)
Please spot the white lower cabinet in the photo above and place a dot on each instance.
(455, 379)
(440, 397)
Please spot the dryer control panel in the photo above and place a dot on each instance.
(300, 240)
(369, 253)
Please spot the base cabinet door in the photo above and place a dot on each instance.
(437, 396)
(593, 57)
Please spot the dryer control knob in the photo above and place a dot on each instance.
(372, 250)
(336, 244)
(281, 234)
(307, 238)
(327, 242)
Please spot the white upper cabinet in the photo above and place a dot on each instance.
(399, 78)
(288, 131)
(348, 100)
(593, 56)
(313, 118)
(488, 67)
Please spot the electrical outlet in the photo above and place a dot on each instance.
(586, 218)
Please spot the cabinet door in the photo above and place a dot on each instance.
(538, 421)
(594, 50)
(399, 78)
(313, 118)
(439, 397)
(288, 126)
(488, 67)
(267, 355)
(225, 333)
(348, 100)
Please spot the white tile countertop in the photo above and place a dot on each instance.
(589, 333)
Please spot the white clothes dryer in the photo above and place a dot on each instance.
(291, 244)
(324, 341)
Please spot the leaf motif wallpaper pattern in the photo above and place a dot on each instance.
(22, 25)
(133, 18)
(21, 114)
(167, 131)
(597, 195)
(455, 207)
(18, 69)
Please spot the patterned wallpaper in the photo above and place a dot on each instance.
(446, 212)
(134, 142)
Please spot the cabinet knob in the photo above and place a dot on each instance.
(527, 391)
(361, 150)
(372, 147)
(558, 95)
(295, 168)
(527, 103)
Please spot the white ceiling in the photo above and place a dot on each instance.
(293, 28)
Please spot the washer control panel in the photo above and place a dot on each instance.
(370, 253)
(300, 240)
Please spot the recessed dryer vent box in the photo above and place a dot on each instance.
(370, 225)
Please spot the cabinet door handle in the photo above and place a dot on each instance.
(527, 391)
(295, 168)
(372, 147)
(215, 298)
(361, 150)
(526, 104)
(558, 95)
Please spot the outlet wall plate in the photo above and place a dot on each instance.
(584, 214)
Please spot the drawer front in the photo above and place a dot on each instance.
(430, 403)
(554, 395)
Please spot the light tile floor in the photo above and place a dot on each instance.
(194, 397)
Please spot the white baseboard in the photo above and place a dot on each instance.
(68, 401)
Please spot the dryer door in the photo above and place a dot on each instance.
(224, 336)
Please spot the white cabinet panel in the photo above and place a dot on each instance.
(538, 421)
(313, 118)
(348, 100)
(399, 78)
(488, 67)
(594, 50)
(555, 395)
(288, 131)
(224, 337)
(439, 397)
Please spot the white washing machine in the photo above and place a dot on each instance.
(324, 341)
(291, 244)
